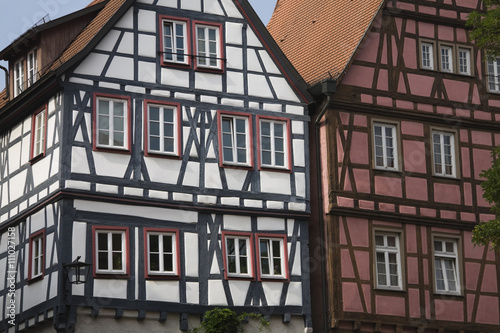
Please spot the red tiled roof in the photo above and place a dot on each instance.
(319, 37)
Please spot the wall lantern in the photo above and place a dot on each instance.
(77, 272)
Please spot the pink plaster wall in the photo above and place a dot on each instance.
(427, 10)
(351, 297)
(388, 305)
(426, 29)
(468, 194)
(384, 101)
(471, 251)
(402, 85)
(359, 76)
(362, 178)
(480, 200)
(413, 265)
(360, 120)
(472, 270)
(367, 292)
(448, 13)
(461, 35)
(412, 128)
(467, 3)
(481, 138)
(447, 193)
(386, 207)
(446, 33)
(416, 188)
(411, 238)
(383, 80)
(429, 212)
(346, 264)
(490, 279)
(414, 156)
(407, 210)
(414, 302)
(388, 186)
(487, 310)
(449, 310)
(363, 264)
(482, 161)
(359, 148)
(465, 163)
(445, 214)
(420, 85)
(358, 229)
(457, 91)
(369, 48)
(444, 110)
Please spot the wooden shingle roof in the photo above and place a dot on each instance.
(320, 37)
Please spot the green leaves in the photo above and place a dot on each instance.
(227, 321)
(486, 27)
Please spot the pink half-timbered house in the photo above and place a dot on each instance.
(408, 110)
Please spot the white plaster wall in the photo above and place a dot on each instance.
(273, 292)
(164, 291)
(191, 253)
(270, 223)
(110, 164)
(110, 288)
(163, 170)
(237, 222)
(216, 294)
(275, 182)
(239, 291)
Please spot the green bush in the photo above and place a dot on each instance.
(227, 321)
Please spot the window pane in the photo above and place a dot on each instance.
(230, 246)
(154, 243)
(102, 258)
(154, 262)
(168, 262)
(168, 244)
(243, 247)
(379, 240)
(102, 241)
(117, 242)
(265, 266)
(117, 261)
(243, 265)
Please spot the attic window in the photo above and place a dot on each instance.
(18, 77)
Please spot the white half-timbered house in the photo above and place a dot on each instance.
(164, 143)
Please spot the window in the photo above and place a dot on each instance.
(388, 260)
(174, 44)
(493, 74)
(272, 257)
(32, 68)
(110, 246)
(112, 123)
(37, 255)
(208, 48)
(163, 129)
(443, 144)
(162, 253)
(18, 78)
(274, 143)
(39, 133)
(464, 63)
(427, 55)
(446, 266)
(384, 138)
(235, 138)
(238, 255)
(446, 58)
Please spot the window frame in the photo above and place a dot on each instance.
(284, 256)
(18, 79)
(250, 255)
(395, 141)
(175, 273)
(177, 129)
(35, 155)
(124, 231)
(387, 250)
(451, 57)
(454, 152)
(219, 47)
(496, 71)
(443, 255)
(432, 56)
(32, 67)
(37, 239)
(470, 67)
(127, 136)
(249, 139)
(187, 41)
(287, 141)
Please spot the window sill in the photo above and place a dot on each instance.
(275, 169)
(162, 276)
(37, 158)
(122, 151)
(162, 155)
(111, 275)
(35, 279)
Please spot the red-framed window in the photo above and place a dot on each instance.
(175, 42)
(272, 252)
(237, 248)
(162, 130)
(208, 48)
(111, 123)
(110, 251)
(235, 139)
(274, 143)
(162, 253)
(39, 134)
(36, 267)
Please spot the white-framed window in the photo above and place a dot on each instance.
(427, 55)
(32, 65)
(443, 149)
(235, 139)
(162, 252)
(37, 253)
(39, 133)
(208, 46)
(111, 251)
(272, 257)
(163, 129)
(112, 123)
(175, 41)
(274, 143)
(464, 61)
(238, 255)
(385, 146)
(446, 54)
(446, 266)
(388, 260)
(18, 78)
(494, 74)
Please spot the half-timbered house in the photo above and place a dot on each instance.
(164, 142)
(408, 110)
